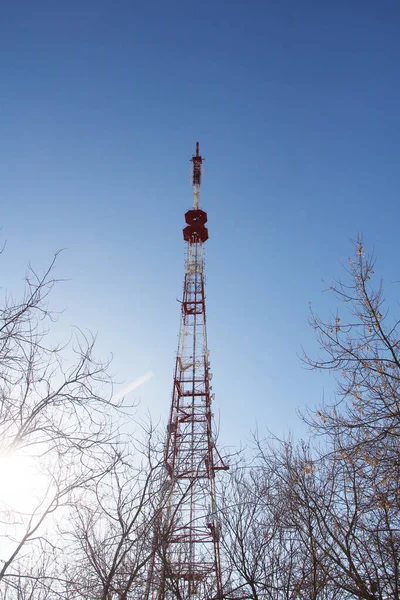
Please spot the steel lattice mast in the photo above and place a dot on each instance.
(187, 560)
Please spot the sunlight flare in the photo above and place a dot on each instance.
(22, 484)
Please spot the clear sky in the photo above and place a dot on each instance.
(296, 107)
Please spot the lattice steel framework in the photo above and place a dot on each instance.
(187, 564)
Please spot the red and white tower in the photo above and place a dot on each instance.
(187, 561)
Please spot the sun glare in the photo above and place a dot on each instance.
(21, 483)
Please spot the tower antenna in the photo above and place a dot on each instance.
(197, 168)
(186, 563)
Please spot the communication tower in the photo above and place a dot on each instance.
(186, 564)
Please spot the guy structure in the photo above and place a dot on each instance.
(187, 563)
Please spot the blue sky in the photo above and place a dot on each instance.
(295, 105)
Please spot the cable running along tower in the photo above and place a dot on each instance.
(186, 564)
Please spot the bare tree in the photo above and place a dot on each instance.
(112, 529)
(301, 524)
(55, 413)
(324, 523)
(361, 346)
(265, 552)
(253, 548)
(353, 541)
